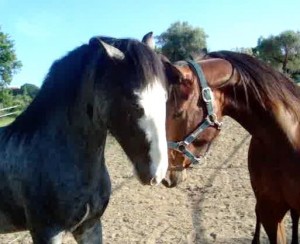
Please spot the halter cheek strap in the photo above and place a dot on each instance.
(210, 120)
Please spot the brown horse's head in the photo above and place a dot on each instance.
(187, 110)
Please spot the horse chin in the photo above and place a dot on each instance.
(145, 180)
(174, 178)
(167, 183)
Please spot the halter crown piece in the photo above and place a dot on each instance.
(210, 120)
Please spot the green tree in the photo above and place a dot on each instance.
(23, 100)
(8, 59)
(29, 89)
(281, 51)
(6, 98)
(181, 40)
(245, 50)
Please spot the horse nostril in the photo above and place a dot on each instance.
(168, 183)
(153, 181)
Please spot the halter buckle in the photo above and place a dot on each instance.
(207, 94)
(219, 125)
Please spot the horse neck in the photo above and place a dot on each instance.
(74, 126)
(271, 124)
(86, 124)
(75, 129)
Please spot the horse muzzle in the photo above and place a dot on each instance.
(174, 177)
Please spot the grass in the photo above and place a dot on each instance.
(6, 120)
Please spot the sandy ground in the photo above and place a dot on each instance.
(215, 204)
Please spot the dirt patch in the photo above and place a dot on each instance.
(215, 205)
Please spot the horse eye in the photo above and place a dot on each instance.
(136, 106)
(137, 110)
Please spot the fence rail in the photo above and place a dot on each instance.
(3, 109)
(9, 113)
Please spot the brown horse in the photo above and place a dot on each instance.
(265, 103)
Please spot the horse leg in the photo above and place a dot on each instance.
(271, 217)
(89, 232)
(46, 237)
(257, 230)
(295, 222)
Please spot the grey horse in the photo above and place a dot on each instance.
(53, 176)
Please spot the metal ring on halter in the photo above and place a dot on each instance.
(213, 119)
(181, 147)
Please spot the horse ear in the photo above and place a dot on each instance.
(203, 51)
(198, 54)
(149, 40)
(110, 50)
(219, 72)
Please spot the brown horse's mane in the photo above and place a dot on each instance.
(262, 82)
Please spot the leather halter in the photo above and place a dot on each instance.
(210, 120)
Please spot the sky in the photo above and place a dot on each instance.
(46, 30)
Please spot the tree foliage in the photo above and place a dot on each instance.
(281, 51)
(22, 97)
(8, 59)
(29, 89)
(244, 50)
(6, 98)
(181, 40)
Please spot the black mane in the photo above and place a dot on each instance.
(67, 74)
(140, 57)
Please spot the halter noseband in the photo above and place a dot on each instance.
(210, 120)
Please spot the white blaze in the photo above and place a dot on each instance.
(153, 123)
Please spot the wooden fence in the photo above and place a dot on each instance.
(8, 111)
